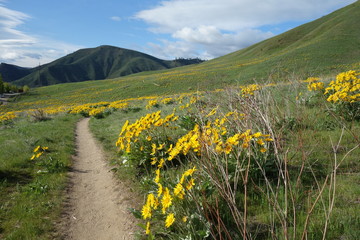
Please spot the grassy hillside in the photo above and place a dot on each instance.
(318, 47)
(301, 183)
(258, 162)
(277, 160)
(323, 47)
(11, 72)
(94, 64)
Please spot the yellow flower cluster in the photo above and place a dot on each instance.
(118, 105)
(165, 198)
(38, 152)
(315, 86)
(152, 103)
(192, 100)
(186, 143)
(311, 80)
(249, 90)
(7, 116)
(86, 108)
(97, 111)
(167, 100)
(56, 110)
(170, 219)
(214, 135)
(346, 88)
(131, 132)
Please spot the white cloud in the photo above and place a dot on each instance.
(9, 20)
(232, 15)
(116, 18)
(219, 27)
(22, 49)
(169, 49)
(205, 42)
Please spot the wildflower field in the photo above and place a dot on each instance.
(262, 143)
(258, 161)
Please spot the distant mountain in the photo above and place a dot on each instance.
(98, 63)
(11, 72)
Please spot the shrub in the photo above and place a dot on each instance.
(344, 93)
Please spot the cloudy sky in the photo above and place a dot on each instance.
(34, 32)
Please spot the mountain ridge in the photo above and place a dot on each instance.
(10, 72)
(324, 46)
(97, 63)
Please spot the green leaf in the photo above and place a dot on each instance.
(135, 212)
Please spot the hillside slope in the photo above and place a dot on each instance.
(319, 47)
(324, 47)
(11, 72)
(96, 63)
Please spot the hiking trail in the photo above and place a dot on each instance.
(97, 206)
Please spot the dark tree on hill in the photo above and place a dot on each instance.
(188, 61)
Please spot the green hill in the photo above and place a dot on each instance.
(328, 44)
(96, 63)
(323, 47)
(280, 164)
(11, 72)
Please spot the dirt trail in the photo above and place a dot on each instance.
(98, 207)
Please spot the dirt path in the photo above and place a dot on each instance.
(98, 204)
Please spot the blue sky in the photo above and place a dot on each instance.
(39, 31)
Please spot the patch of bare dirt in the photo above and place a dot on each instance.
(98, 203)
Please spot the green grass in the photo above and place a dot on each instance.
(307, 134)
(306, 129)
(322, 48)
(31, 201)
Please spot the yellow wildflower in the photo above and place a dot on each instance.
(179, 191)
(166, 200)
(315, 86)
(146, 211)
(157, 178)
(152, 201)
(190, 171)
(263, 150)
(147, 231)
(170, 219)
(190, 184)
(37, 149)
(153, 160)
(260, 142)
(153, 149)
(227, 148)
(257, 135)
(161, 146)
(212, 112)
(161, 163)
(160, 189)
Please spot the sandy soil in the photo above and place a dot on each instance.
(98, 203)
